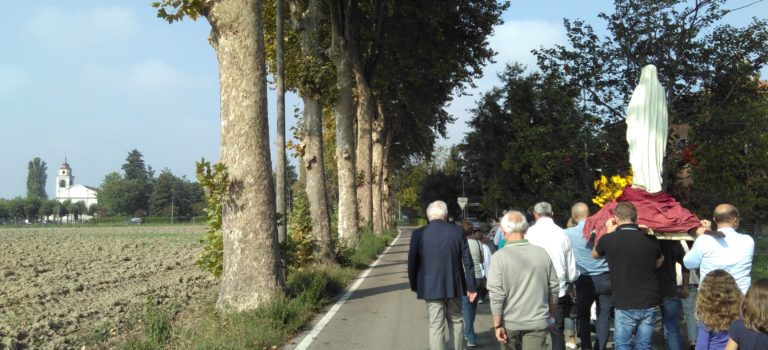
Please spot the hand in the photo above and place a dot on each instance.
(706, 225)
(611, 225)
(683, 294)
(501, 335)
(645, 229)
(471, 296)
(570, 294)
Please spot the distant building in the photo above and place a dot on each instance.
(67, 189)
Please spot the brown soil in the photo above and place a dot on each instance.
(64, 287)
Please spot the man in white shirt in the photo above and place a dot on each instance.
(546, 234)
(726, 249)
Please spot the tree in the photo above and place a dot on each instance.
(36, 179)
(78, 209)
(280, 178)
(120, 196)
(141, 178)
(342, 14)
(316, 77)
(17, 209)
(4, 214)
(733, 171)
(511, 149)
(412, 89)
(32, 207)
(251, 272)
(695, 56)
(48, 207)
(134, 167)
(172, 195)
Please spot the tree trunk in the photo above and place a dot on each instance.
(250, 276)
(341, 52)
(312, 159)
(364, 151)
(315, 186)
(386, 190)
(280, 184)
(378, 158)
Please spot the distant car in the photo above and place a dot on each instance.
(134, 221)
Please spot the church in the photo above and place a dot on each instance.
(67, 189)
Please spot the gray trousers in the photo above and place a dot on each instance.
(526, 340)
(442, 314)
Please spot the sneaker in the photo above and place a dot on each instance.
(570, 345)
(480, 301)
(471, 344)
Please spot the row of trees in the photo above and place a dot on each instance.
(547, 135)
(36, 206)
(31, 209)
(374, 77)
(138, 192)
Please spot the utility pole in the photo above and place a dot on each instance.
(172, 200)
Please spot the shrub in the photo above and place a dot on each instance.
(214, 181)
(299, 245)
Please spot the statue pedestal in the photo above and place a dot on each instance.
(659, 211)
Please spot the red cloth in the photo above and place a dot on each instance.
(660, 211)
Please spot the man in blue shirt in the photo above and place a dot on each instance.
(733, 252)
(593, 284)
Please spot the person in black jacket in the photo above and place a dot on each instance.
(440, 272)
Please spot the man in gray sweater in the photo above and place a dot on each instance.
(523, 288)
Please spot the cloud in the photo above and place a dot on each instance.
(79, 28)
(12, 80)
(146, 77)
(156, 75)
(513, 42)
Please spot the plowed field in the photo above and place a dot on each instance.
(59, 285)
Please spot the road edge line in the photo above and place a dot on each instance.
(309, 338)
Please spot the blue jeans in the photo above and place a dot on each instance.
(671, 310)
(638, 322)
(469, 310)
(690, 318)
(588, 290)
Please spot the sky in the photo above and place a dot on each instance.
(93, 80)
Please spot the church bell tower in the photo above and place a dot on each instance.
(64, 179)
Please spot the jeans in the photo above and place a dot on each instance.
(638, 322)
(671, 310)
(588, 290)
(690, 318)
(469, 310)
(557, 332)
(442, 314)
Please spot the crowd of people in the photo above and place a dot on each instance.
(537, 276)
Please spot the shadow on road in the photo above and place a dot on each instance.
(362, 293)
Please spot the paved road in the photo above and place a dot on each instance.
(383, 313)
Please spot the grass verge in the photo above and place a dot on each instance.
(202, 326)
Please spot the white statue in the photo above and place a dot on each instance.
(647, 130)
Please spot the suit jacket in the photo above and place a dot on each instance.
(439, 262)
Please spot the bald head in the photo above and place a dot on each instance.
(726, 215)
(579, 211)
(514, 223)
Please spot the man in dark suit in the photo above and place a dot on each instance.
(440, 271)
